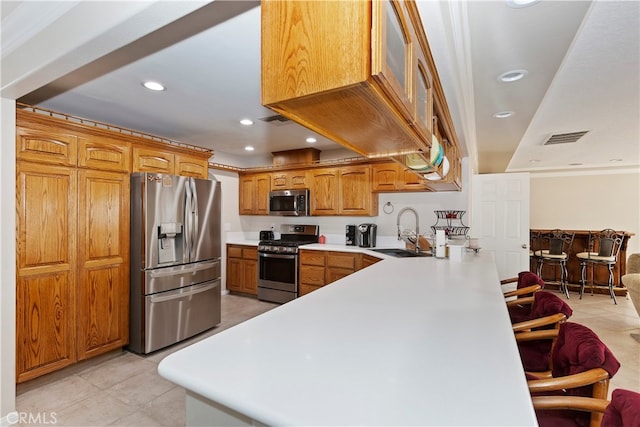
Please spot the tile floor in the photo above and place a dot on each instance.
(124, 389)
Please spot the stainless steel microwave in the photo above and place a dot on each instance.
(289, 202)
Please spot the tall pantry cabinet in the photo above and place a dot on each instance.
(73, 247)
(73, 190)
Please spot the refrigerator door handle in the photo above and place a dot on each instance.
(167, 272)
(194, 217)
(188, 209)
(196, 289)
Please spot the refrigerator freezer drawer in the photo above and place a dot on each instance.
(168, 278)
(173, 316)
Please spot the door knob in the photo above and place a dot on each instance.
(524, 246)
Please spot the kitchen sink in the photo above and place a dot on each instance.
(401, 253)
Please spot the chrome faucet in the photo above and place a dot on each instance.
(417, 237)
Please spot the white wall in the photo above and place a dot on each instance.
(577, 201)
(7, 257)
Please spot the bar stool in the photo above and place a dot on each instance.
(608, 243)
(560, 243)
(536, 239)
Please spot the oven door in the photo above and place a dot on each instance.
(278, 271)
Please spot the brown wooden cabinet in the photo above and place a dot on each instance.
(287, 180)
(104, 154)
(319, 268)
(242, 269)
(364, 98)
(392, 177)
(152, 160)
(46, 268)
(196, 167)
(379, 97)
(254, 193)
(103, 262)
(368, 260)
(343, 191)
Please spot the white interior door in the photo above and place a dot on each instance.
(500, 219)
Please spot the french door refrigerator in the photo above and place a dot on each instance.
(175, 259)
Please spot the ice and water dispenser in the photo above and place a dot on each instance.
(169, 242)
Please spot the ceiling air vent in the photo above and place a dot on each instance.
(277, 120)
(565, 138)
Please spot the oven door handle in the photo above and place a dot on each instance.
(263, 255)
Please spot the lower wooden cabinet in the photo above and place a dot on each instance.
(319, 268)
(242, 269)
(368, 260)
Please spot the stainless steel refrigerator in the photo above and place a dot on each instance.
(175, 259)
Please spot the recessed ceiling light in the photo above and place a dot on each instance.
(534, 161)
(575, 164)
(155, 86)
(503, 114)
(512, 76)
(311, 140)
(615, 160)
(521, 3)
(246, 122)
(249, 148)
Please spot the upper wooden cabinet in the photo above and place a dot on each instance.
(357, 72)
(254, 193)
(43, 144)
(151, 160)
(104, 154)
(287, 180)
(342, 191)
(392, 177)
(196, 167)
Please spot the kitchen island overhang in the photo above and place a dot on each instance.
(419, 341)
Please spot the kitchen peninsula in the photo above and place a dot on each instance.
(419, 341)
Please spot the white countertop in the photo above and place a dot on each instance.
(418, 341)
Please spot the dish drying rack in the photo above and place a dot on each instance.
(451, 222)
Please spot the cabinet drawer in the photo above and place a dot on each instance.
(234, 252)
(312, 275)
(250, 253)
(342, 260)
(312, 257)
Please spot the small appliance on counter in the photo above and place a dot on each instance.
(350, 235)
(266, 235)
(367, 235)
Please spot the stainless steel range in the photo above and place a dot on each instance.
(278, 262)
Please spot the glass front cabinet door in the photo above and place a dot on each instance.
(393, 55)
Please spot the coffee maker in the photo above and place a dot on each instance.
(367, 235)
(351, 235)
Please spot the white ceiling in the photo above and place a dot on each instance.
(583, 62)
